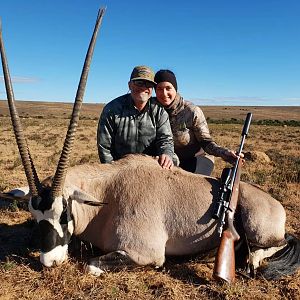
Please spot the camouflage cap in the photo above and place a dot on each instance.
(142, 73)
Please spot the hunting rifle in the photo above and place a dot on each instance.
(224, 211)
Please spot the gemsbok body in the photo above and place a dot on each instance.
(136, 212)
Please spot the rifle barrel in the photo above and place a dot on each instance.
(245, 131)
(247, 124)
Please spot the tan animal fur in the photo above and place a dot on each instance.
(152, 212)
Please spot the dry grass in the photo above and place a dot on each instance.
(24, 278)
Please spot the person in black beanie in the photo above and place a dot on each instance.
(193, 144)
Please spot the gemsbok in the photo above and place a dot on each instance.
(136, 212)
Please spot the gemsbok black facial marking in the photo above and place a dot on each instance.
(50, 236)
(43, 201)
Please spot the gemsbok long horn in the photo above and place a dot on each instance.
(62, 166)
(31, 175)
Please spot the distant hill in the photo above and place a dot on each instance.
(41, 109)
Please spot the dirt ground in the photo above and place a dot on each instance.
(273, 162)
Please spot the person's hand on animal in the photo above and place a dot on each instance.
(165, 161)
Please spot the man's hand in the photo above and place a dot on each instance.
(165, 161)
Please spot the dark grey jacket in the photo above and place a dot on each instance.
(122, 129)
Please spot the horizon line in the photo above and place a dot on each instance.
(194, 101)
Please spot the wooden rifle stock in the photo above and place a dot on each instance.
(224, 268)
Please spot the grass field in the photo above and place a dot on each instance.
(274, 165)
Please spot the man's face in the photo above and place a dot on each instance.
(141, 90)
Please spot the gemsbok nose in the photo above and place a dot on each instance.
(55, 257)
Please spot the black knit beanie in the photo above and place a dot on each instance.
(166, 75)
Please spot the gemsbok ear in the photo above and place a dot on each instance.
(82, 197)
(15, 194)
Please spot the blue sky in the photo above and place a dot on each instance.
(222, 52)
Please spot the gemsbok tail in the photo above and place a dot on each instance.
(284, 262)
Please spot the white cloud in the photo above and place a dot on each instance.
(247, 101)
(20, 79)
(293, 101)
